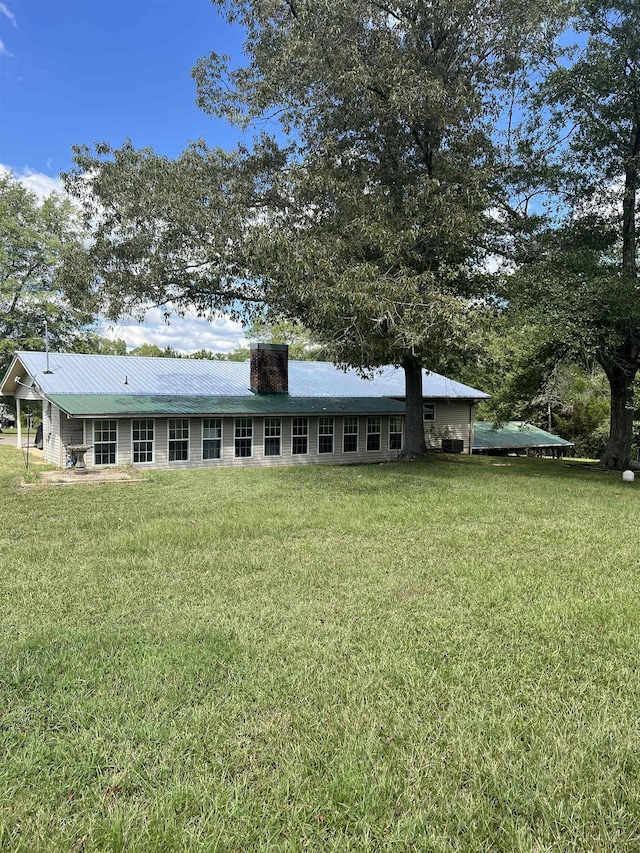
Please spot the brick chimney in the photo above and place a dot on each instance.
(269, 368)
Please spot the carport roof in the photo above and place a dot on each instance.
(514, 435)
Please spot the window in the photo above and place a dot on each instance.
(272, 436)
(350, 435)
(178, 440)
(142, 437)
(373, 433)
(299, 435)
(325, 435)
(212, 438)
(244, 438)
(395, 432)
(429, 412)
(105, 442)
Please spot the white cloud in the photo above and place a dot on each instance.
(4, 10)
(39, 183)
(185, 334)
(3, 50)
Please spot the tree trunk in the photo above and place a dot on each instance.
(617, 455)
(414, 444)
(621, 366)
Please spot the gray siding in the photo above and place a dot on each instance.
(51, 435)
(453, 420)
(313, 457)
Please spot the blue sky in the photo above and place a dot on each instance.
(78, 71)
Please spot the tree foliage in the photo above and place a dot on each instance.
(579, 258)
(361, 209)
(37, 239)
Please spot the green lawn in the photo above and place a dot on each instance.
(438, 656)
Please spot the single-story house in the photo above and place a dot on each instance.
(518, 438)
(188, 413)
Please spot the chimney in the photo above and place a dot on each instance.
(269, 368)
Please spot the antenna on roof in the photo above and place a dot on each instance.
(46, 345)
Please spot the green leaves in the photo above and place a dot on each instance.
(35, 239)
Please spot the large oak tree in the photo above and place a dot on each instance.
(360, 210)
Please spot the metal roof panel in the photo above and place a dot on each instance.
(132, 405)
(73, 373)
(514, 435)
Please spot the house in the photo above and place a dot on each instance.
(187, 413)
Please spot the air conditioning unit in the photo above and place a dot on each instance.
(452, 445)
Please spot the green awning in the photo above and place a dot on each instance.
(133, 405)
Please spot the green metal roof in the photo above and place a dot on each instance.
(131, 405)
(514, 435)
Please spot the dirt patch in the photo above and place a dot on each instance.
(70, 478)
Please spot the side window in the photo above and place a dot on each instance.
(429, 412)
(272, 436)
(395, 432)
(105, 442)
(325, 435)
(299, 436)
(212, 438)
(178, 440)
(373, 433)
(243, 438)
(142, 439)
(350, 435)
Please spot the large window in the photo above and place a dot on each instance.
(244, 438)
(429, 412)
(272, 436)
(142, 438)
(105, 442)
(395, 432)
(350, 435)
(178, 440)
(299, 436)
(212, 438)
(373, 433)
(325, 435)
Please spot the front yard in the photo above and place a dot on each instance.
(433, 657)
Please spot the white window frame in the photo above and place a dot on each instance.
(169, 439)
(377, 432)
(221, 440)
(146, 441)
(428, 412)
(396, 432)
(237, 437)
(276, 424)
(356, 433)
(330, 423)
(301, 435)
(93, 432)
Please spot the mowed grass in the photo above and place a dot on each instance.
(438, 656)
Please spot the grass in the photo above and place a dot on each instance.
(438, 656)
